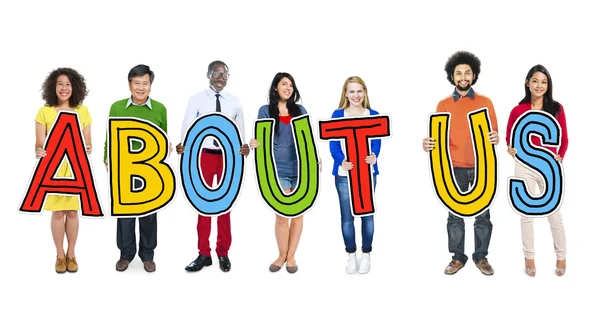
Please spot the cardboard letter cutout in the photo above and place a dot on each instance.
(305, 194)
(141, 181)
(356, 132)
(539, 160)
(204, 199)
(481, 195)
(63, 142)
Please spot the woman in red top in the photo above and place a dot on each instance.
(538, 96)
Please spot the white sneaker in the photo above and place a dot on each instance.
(351, 266)
(365, 264)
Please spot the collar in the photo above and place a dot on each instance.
(212, 92)
(470, 94)
(130, 102)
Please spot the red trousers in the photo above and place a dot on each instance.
(211, 165)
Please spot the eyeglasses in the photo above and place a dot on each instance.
(216, 75)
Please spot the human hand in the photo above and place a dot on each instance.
(244, 150)
(428, 144)
(88, 149)
(40, 152)
(511, 151)
(371, 159)
(558, 158)
(170, 149)
(179, 148)
(254, 143)
(346, 165)
(493, 137)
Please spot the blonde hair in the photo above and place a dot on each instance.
(344, 103)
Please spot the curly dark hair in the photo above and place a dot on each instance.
(78, 93)
(462, 58)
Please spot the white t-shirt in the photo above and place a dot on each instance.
(342, 172)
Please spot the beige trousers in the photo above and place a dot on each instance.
(556, 224)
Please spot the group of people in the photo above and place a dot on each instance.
(65, 89)
(462, 70)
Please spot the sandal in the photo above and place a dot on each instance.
(529, 271)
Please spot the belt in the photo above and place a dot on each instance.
(212, 151)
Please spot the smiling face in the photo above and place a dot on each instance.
(218, 77)
(355, 93)
(63, 89)
(140, 88)
(463, 77)
(285, 89)
(538, 85)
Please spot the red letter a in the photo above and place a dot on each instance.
(64, 141)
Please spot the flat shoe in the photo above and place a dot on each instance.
(291, 269)
(560, 271)
(274, 268)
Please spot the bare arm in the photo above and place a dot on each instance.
(87, 137)
(40, 138)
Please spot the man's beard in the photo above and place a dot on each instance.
(465, 88)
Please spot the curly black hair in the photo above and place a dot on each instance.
(78, 93)
(462, 58)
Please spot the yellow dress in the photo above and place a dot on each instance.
(46, 116)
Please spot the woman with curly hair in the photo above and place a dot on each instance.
(63, 90)
(538, 96)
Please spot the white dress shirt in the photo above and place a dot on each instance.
(206, 102)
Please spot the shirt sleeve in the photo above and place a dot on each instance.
(564, 140)
(335, 148)
(190, 115)
(263, 112)
(41, 117)
(509, 126)
(239, 120)
(86, 118)
(163, 122)
(493, 119)
(110, 113)
(375, 143)
(440, 107)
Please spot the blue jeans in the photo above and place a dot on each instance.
(367, 227)
(456, 225)
(288, 182)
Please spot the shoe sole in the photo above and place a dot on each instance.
(364, 272)
(350, 271)
(73, 271)
(60, 272)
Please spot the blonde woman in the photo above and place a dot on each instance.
(354, 102)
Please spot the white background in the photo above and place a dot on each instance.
(399, 51)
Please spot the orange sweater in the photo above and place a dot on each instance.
(461, 144)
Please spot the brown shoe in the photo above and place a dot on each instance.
(122, 265)
(61, 265)
(453, 267)
(484, 267)
(150, 266)
(72, 264)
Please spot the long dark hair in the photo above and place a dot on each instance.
(549, 104)
(293, 108)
